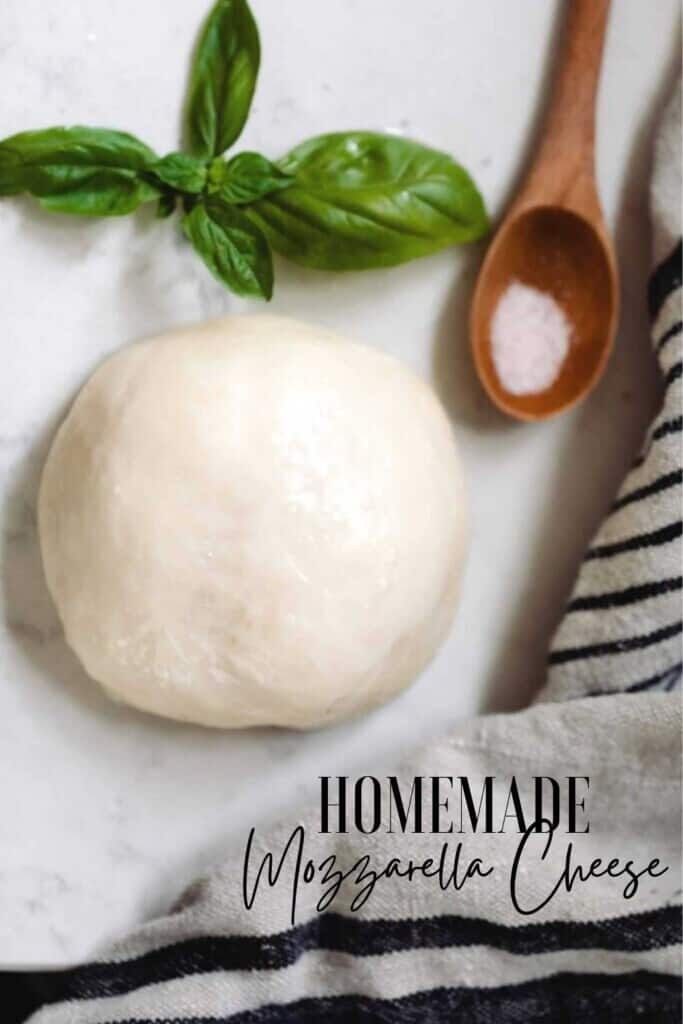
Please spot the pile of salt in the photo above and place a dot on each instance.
(530, 337)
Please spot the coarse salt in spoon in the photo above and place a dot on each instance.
(546, 304)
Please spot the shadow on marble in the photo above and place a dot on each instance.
(72, 238)
(453, 372)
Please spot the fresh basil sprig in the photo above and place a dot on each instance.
(343, 201)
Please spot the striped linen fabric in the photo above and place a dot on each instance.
(622, 630)
(419, 954)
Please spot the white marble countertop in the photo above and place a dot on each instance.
(105, 813)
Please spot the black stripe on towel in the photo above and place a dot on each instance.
(673, 374)
(668, 336)
(673, 426)
(629, 595)
(669, 678)
(662, 483)
(663, 535)
(565, 998)
(663, 281)
(623, 646)
(631, 933)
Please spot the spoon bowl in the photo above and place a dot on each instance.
(564, 255)
(554, 238)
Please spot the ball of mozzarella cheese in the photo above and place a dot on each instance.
(253, 522)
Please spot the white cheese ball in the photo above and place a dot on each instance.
(253, 522)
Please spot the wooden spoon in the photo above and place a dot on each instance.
(554, 237)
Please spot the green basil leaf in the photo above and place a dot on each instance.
(248, 176)
(234, 249)
(91, 171)
(223, 78)
(182, 172)
(361, 200)
(100, 194)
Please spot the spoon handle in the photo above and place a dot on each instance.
(569, 130)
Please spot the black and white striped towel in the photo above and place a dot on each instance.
(622, 630)
(418, 955)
